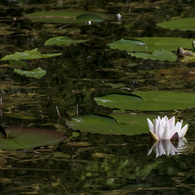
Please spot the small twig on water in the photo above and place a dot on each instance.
(58, 112)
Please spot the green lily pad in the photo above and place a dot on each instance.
(89, 17)
(127, 44)
(115, 124)
(148, 101)
(183, 24)
(150, 44)
(66, 17)
(162, 55)
(62, 40)
(35, 73)
(28, 138)
(29, 55)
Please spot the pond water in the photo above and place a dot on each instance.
(91, 163)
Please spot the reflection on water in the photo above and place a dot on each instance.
(166, 147)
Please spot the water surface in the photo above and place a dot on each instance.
(90, 163)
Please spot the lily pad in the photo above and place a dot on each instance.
(162, 55)
(89, 17)
(66, 17)
(183, 24)
(115, 124)
(150, 44)
(148, 101)
(35, 73)
(28, 138)
(62, 40)
(29, 55)
(127, 44)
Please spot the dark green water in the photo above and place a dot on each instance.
(90, 163)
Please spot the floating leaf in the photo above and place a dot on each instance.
(116, 124)
(150, 44)
(120, 99)
(89, 17)
(29, 55)
(181, 24)
(28, 138)
(149, 101)
(35, 73)
(66, 17)
(61, 40)
(162, 55)
(127, 44)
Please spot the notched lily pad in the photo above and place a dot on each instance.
(35, 73)
(150, 44)
(62, 40)
(89, 17)
(28, 138)
(162, 55)
(118, 99)
(183, 24)
(127, 44)
(115, 124)
(149, 101)
(66, 17)
(29, 55)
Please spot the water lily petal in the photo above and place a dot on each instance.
(150, 125)
(153, 135)
(173, 130)
(172, 121)
(178, 125)
(165, 118)
(160, 130)
(166, 134)
(157, 129)
(183, 131)
(156, 126)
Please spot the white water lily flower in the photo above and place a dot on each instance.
(166, 129)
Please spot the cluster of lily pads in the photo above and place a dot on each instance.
(154, 48)
(17, 57)
(130, 123)
(127, 120)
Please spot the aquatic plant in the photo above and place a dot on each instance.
(166, 129)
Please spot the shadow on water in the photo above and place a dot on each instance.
(90, 163)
